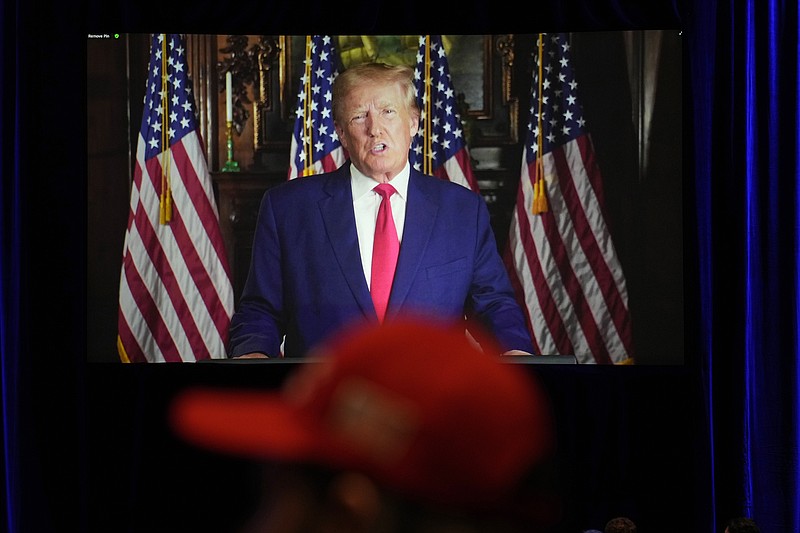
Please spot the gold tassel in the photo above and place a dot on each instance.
(123, 355)
(165, 206)
(539, 196)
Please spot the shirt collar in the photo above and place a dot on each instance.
(362, 184)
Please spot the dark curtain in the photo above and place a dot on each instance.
(742, 63)
(9, 264)
(741, 202)
(43, 287)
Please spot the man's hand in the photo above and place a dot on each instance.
(252, 355)
(516, 352)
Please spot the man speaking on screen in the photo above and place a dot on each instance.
(373, 240)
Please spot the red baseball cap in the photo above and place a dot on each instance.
(415, 405)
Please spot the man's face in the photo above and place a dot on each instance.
(376, 129)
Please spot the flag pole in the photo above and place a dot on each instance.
(308, 168)
(165, 203)
(539, 198)
(427, 163)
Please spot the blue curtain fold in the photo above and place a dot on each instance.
(769, 418)
(10, 235)
(743, 64)
(700, 33)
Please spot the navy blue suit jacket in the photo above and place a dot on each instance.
(306, 280)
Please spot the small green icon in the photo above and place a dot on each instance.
(116, 36)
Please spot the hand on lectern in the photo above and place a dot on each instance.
(252, 355)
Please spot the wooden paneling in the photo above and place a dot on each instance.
(239, 196)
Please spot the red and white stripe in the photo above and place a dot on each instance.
(176, 298)
(563, 263)
(458, 169)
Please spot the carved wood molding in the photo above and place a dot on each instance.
(242, 74)
(499, 127)
(265, 52)
(505, 47)
(251, 68)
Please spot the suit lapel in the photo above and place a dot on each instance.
(340, 226)
(421, 209)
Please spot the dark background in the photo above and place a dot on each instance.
(626, 447)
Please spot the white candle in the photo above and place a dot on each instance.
(228, 96)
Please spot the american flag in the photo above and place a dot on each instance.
(562, 260)
(175, 296)
(315, 146)
(439, 148)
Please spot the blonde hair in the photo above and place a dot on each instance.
(375, 73)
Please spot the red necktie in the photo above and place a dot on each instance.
(385, 249)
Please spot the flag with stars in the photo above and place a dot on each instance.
(175, 294)
(439, 148)
(560, 254)
(315, 146)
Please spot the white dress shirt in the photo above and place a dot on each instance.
(365, 205)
